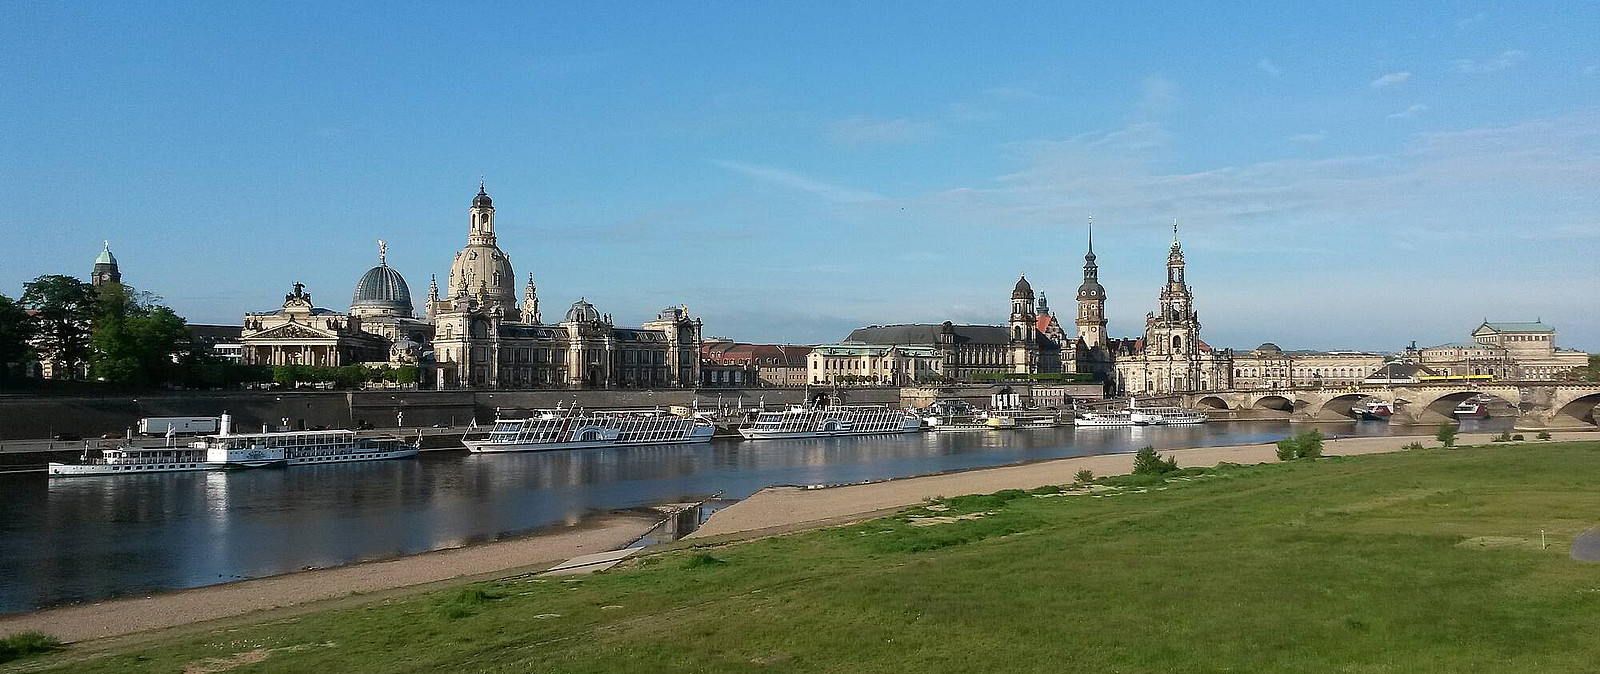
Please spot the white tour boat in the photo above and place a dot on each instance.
(580, 429)
(1171, 416)
(1105, 419)
(128, 460)
(816, 422)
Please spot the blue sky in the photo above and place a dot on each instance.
(1347, 175)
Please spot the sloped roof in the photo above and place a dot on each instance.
(928, 333)
(1535, 326)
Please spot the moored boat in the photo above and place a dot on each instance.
(581, 429)
(815, 422)
(129, 459)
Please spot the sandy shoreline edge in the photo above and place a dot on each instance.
(771, 511)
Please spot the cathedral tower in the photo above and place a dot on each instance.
(481, 271)
(1091, 300)
(1175, 329)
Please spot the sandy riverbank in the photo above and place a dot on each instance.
(127, 616)
(782, 509)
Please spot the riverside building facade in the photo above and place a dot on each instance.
(476, 333)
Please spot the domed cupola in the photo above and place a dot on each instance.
(482, 200)
(582, 312)
(381, 291)
(1023, 290)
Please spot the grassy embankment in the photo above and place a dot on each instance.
(1423, 561)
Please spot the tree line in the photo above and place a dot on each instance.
(119, 335)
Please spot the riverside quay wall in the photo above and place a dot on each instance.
(37, 416)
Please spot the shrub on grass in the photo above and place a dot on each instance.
(1084, 476)
(1518, 437)
(24, 644)
(1503, 437)
(465, 601)
(1148, 462)
(1414, 445)
(1446, 435)
(1543, 435)
(1307, 445)
(702, 560)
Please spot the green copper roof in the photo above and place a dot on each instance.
(105, 255)
(1536, 326)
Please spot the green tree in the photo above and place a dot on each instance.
(136, 341)
(16, 328)
(63, 314)
(1148, 462)
(1307, 445)
(1447, 435)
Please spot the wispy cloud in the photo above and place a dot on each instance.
(1590, 71)
(1157, 95)
(1473, 20)
(860, 130)
(1409, 112)
(1505, 60)
(789, 179)
(1268, 67)
(1317, 137)
(1391, 79)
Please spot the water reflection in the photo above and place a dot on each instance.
(90, 538)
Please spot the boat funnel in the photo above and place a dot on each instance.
(225, 427)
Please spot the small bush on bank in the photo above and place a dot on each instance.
(703, 560)
(1518, 437)
(1148, 462)
(24, 644)
(1084, 476)
(1503, 437)
(1543, 435)
(466, 601)
(1446, 435)
(1047, 489)
(1413, 445)
(1307, 445)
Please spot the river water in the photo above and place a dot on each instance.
(71, 540)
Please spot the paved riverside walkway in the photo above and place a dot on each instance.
(781, 509)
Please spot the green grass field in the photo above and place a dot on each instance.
(1424, 561)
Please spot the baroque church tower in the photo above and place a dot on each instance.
(1023, 324)
(105, 268)
(1176, 329)
(1091, 301)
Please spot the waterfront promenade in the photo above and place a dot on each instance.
(768, 512)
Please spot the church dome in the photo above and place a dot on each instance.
(482, 200)
(105, 256)
(582, 312)
(1091, 290)
(381, 292)
(483, 269)
(1023, 289)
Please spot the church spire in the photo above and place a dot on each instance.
(530, 303)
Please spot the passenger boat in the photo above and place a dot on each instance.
(1471, 409)
(580, 429)
(990, 422)
(298, 448)
(227, 450)
(129, 459)
(1373, 410)
(1105, 419)
(818, 422)
(1171, 416)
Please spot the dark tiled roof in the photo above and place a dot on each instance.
(928, 333)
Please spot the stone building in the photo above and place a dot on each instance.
(1023, 345)
(1171, 357)
(482, 338)
(872, 364)
(382, 303)
(725, 363)
(1515, 351)
(303, 334)
(1270, 367)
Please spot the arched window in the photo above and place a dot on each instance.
(1017, 332)
(1177, 343)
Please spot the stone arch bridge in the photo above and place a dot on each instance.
(1539, 405)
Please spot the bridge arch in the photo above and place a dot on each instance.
(1580, 410)
(1212, 403)
(1338, 407)
(1442, 409)
(1274, 402)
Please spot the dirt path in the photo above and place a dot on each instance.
(126, 616)
(779, 509)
